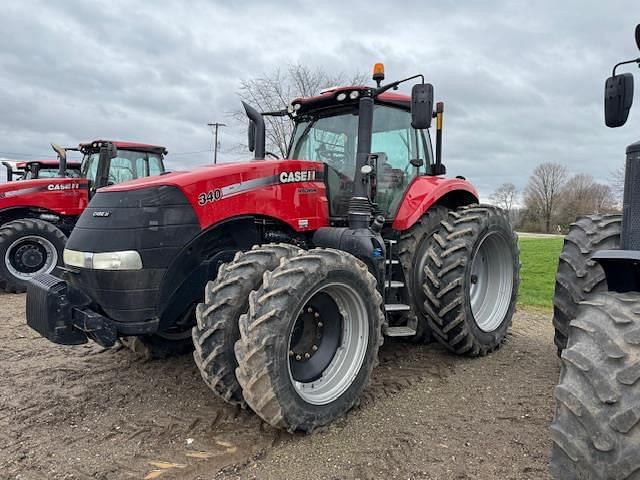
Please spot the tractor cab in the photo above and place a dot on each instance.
(329, 134)
(46, 169)
(373, 141)
(107, 163)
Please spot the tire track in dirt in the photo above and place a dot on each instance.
(87, 412)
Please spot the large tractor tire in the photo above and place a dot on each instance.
(577, 274)
(310, 339)
(595, 430)
(225, 299)
(28, 247)
(412, 253)
(471, 279)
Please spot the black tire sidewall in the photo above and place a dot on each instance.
(298, 411)
(492, 224)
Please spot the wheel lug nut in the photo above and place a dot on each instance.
(307, 355)
(298, 357)
(320, 324)
(314, 348)
(291, 353)
(317, 315)
(310, 310)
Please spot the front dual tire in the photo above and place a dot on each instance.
(310, 339)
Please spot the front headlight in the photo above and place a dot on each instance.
(126, 260)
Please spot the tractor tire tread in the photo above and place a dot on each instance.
(578, 275)
(226, 298)
(594, 431)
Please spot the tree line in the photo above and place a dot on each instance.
(552, 199)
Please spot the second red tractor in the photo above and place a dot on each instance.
(38, 212)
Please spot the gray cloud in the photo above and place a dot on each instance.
(522, 81)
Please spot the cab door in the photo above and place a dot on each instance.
(399, 143)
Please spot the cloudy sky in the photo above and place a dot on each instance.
(522, 81)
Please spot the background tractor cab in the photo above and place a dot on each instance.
(107, 163)
(46, 169)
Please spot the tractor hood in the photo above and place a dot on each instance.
(244, 169)
(20, 190)
(260, 187)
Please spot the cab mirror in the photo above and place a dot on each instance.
(251, 136)
(638, 36)
(618, 97)
(421, 105)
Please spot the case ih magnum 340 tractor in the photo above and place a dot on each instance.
(295, 267)
(596, 434)
(38, 212)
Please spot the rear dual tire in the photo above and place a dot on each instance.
(471, 279)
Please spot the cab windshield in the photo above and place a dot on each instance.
(332, 139)
(127, 165)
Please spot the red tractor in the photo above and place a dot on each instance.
(38, 213)
(595, 431)
(32, 169)
(295, 267)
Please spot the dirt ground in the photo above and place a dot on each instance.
(84, 412)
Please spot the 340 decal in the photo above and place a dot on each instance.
(210, 196)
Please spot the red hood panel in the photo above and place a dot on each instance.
(63, 196)
(290, 190)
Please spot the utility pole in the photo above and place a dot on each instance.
(215, 134)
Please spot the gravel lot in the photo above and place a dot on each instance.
(84, 412)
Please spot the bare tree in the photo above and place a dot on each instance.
(505, 196)
(617, 183)
(582, 195)
(275, 90)
(542, 194)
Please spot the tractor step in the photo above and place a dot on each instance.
(397, 307)
(394, 284)
(391, 262)
(400, 331)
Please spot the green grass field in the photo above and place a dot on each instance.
(539, 257)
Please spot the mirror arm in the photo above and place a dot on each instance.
(384, 88)
(635, 60)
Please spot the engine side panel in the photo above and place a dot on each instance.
(63, 196)
(426, 191)
(292, 191)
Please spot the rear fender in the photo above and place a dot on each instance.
(426, 191)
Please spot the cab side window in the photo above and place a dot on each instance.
(400, 143)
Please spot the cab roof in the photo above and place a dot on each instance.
(47, 163)
(328, 98)
(142, 147)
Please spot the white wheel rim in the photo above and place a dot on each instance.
(46, 248)
(348, 358)
(491, 282)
